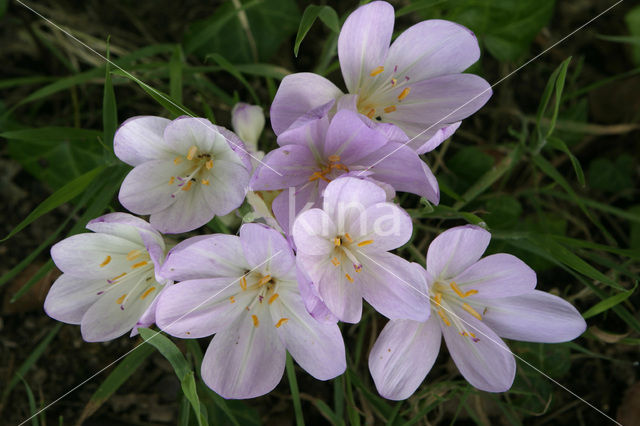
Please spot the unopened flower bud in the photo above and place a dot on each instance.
(248, 123)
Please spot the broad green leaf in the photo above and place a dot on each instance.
(61, 196)
(608, 303)
(326, 14)
(295, 393)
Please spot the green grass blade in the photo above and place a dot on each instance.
(311, 13)
(109, 108)
(295, 392)
(32, 402)
(231, 69)
(175, 75)
(609, 302)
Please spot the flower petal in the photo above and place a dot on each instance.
(148, 187)
(347, 197)
(402, 356)
(487, 363)
(227, 187)
(313, 232)
(381, 227)
(290, 202)
(312, 300)
(456, 249)
(364, 41)
(245, 361)
(317, 346)
(70, 297)
(498, 275)
(191, 210)
(440, 136)
(299, 93)
(267, 251)
(535, 316)
(184, 132)
(433, 48)
(140, 139)
(289, 166)
(350, 138)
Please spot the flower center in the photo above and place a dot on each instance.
(264, 287)
(329, 171)
(197, 167)
(344, 250)
(443, 299)
(380, 94)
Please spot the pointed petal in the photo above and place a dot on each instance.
(498, 275)
(140, 139)
(350, 138)
(433, 48)
(402, 356)
(313, 232)
(148, 187)
(289, 166)
(456, 249)
(312, 300)
(267, 251)
(347, 197)
(70, 297)
(440, 136)
(309, 130)
(487, 363)
(535, 316)
(245, 361)
(317, 346)
(394, 287)
(299, 93)
(364, 41)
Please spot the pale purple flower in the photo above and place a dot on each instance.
(344, 249)
(315, 150)
(416, 83)
(474, 303)
(244, 290)
(110, 278)
(248, 123)
(186, 171)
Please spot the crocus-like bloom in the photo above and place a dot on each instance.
(185, 170)
(343, 248)
(474, 301)
(110, 278)
(315, 150)
(248, 123)
(416, 84)
(244, 289)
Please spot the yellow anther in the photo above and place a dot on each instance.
(187, 186)
(209, 164)
(256, 322)
(335, 261)
(106, 261)
(281, 321)
(139, 264)
(472, 311)
(192, 152)
(364, 243)
(394, 81)
(177, 160)
(443, 317)
(232, 299)
(334, 158)
(349, 277)
(147, 292)
(243, 283)
(348, 237)
(337, 241)
(469, 293)
(119, 276)
(205, 181)
(455, 288)
(376, 71)
(371, 113)
(390, 108)
(264, 280)
(273, 298)
(438, 298)
(133, 254)
(404, 93)
(171, 180)
(121, 299)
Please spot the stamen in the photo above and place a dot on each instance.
(358, 268)
(376, 71)
(394, 81)
(390, 109)
(177, 160)
(404, 93)
(264, 280)
(459, 292)
(205, 181)
(232, 299)
(209, 164)
(146, 293)
(371, 113)
(105, 262)
(438, 298)
(470, 292)
(348, 237)
(472, 311)
(334, 158)
(171, 180)
(133, 254)
(337, 241)
(112, 280)
(256, 322)
(139, 264)
(187, 186)
(335, 261)
(364, 243)
(192, 152)
(273, 298)
(349, 277)
(243, 283)
(281, 321)
(444, 317)
(121, 299)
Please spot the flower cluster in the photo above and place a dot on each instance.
(283, 286)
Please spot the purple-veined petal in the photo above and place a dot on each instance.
(290, 202)
(381, 227)
(148, 318)
(289, 166)
(402, 356)
(206, 256)
(364, 41)
(299, 93)
(226, 188)
(312, 300)
(535, 316)
(267, 251)
(484, 361)
(309, 130)
(498, 275)
(245, 360)
(440, 136)
(350, 138)
(317, 346)
(313, 232)
(70, 297)
(347, 197)
(237, 145)
(456, 249)
(140, 139)
(394, 287)
(148, 187)
(199, 308)
(191, 210)
(184, 132)
(433, 48)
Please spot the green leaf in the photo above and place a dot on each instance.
(61, 196)
(109, 108)
(556, 80)
(326, 14)
(51, 134)
(608, 303)
(612, 176)
(175, 75)
(32, 402)
(561, 146)
(295, 393)
(504, 211)
(632, 19)
(228, 67)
